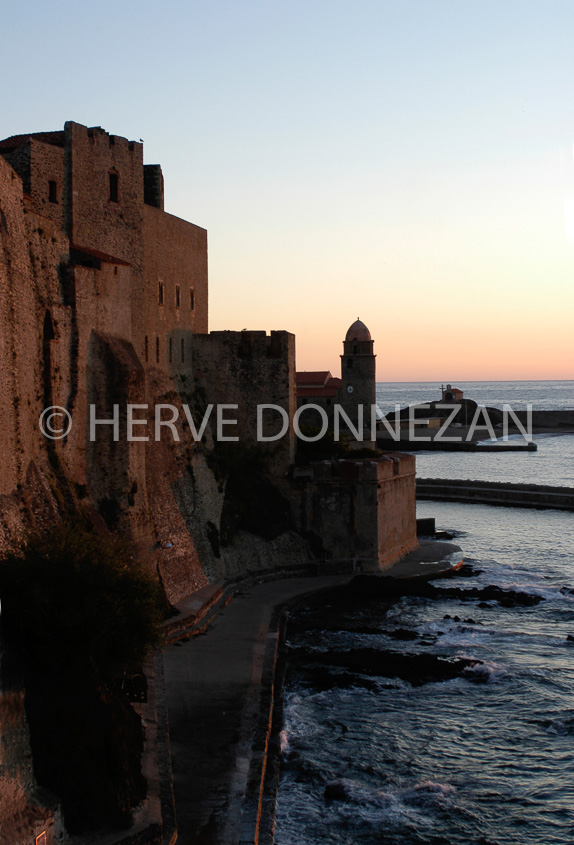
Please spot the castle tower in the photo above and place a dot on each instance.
(358, 372)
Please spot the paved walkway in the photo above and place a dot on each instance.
(213, 684)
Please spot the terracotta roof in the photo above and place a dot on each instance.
(329, 388)
(316, 392)
(56, 139)
(314, 377)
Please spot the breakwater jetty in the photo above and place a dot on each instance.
(496, 493)
(404, 444)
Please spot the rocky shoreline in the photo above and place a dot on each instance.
(321, 670)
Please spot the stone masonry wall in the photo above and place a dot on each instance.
(361, 512)
(248, 369)
(397, 519)
(94, 221)
(47, 165)
(338, 512)
(176, 259)
(34, 349)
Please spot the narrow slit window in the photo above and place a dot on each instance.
(114, 187)
(160, 293)
(191, 299)
(177, 296)
(146, 349)
(157, 350)
(52, 191)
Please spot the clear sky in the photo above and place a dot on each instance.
(407, 162)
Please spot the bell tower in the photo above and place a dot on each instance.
(358, 372)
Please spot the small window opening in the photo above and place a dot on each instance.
(157, 350)
(182, 351)
(177, 296)
(114, 187)
(161, 293)
(355, 349)
(170, 350)
(52, 191)
(115, 269)
(146, 349)
(191, 299)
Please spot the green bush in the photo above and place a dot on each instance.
(75, 602)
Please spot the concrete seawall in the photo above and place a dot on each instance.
(496, 493)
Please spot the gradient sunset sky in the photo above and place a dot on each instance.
(410, 163)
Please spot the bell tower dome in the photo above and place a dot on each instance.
(358, 372)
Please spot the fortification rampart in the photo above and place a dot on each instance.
(249, 369)
(360, 511)
(103, 304)
(176, 289)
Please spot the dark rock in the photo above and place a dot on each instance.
(335, 790)
(468, 571)
(373, 585)
(416, 669)
(402, 634)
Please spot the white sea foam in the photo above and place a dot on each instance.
(284, 742)
(394, 805)
(487, 671)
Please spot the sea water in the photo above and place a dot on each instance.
(542, 395)
(486, 758)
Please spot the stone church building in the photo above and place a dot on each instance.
(356, 388)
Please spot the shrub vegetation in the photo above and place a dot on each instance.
(76, 602)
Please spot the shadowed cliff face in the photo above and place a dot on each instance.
(257, 507)
(251, 501)
(86, 744)
(76, 613)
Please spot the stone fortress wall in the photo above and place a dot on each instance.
(337, 498)
(103, 302)
(83, 258)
